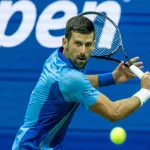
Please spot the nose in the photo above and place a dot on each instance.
(83, 49)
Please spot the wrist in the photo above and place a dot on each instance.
(143, 95)
(116, 77)
(105, 79)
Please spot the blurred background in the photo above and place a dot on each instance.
(31, 30)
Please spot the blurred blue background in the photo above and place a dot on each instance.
(31, 30)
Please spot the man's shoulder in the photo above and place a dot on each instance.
(53, 62)
(52, 55)
(73, 73)
(73, 77)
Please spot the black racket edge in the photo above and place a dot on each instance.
(101, 14)
(98, 13)
(111, 59)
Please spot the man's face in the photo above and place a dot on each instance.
(79, 48)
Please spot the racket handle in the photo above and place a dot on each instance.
(136, 71)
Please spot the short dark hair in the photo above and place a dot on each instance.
(78, 24)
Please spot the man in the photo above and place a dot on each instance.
(63, 85)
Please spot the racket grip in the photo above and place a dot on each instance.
(136, 71)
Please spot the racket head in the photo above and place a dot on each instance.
(107, 35)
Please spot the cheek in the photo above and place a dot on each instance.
(76, 49)
(72, 52)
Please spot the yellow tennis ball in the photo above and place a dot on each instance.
(118, 135)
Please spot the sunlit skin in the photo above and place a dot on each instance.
(78, 48)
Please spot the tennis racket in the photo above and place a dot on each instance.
(108, 40)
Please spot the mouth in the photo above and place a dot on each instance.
(82, 59)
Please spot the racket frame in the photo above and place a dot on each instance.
(120, 45)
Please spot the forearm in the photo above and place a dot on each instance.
(120, 109)
(94, 80)
(117, 110)
(125, 107)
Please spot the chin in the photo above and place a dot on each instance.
(81, 66)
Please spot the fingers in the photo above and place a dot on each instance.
(121, 64)
(141, 67)
(133, 60)
(138, 63)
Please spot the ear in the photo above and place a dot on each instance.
(64, 43)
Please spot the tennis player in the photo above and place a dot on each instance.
(64, 85)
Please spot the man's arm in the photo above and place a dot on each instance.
(75, 87)
(93, 79)
(117, 110)
(101, 80)
(119, 75)
(114, 111)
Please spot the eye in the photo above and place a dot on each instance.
(88, 44)
(78, 44)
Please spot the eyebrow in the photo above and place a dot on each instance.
(82, 42)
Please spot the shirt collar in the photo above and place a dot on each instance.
(67, 61)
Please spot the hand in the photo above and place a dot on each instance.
(122, 74)
(145, 81)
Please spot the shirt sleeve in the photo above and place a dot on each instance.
(75, 87)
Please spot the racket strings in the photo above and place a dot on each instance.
(106, 36)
